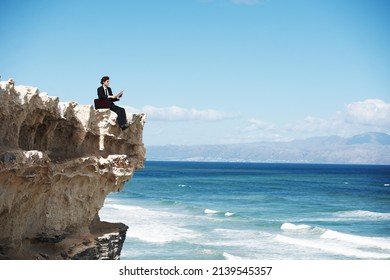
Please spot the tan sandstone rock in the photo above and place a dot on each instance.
(58, 162)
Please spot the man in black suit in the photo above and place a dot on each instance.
(104, 92)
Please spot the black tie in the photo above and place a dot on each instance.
(106, 92)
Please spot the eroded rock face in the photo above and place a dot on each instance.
(58, 162)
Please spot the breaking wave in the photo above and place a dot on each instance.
(335, 242)
(362, 215)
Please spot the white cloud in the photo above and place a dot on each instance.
(312, 126)
(175, 113)
(359, 117)
(371, 112)
(364, 116)
(254, 124)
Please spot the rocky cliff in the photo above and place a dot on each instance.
(58, 162)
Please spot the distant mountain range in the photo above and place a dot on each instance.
(367, 148)
(370, 138)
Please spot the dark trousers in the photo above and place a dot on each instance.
(121, 114)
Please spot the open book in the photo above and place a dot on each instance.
(119, 94)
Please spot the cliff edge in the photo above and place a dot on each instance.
(58, 162)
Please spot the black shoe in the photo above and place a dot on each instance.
(125, 126)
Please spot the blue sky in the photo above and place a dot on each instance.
(211, 71)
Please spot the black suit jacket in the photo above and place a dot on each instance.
(102, 94)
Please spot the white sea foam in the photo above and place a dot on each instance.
(334, 248)
(382, 243)
(247, 234)
(184, 186)
(157, 233)
(228, 256)
(247, 239)
(354, 215)
(362, 215)
(336, 242)
(210, 211)
(149, 225)
(123, 207)
(292, 227)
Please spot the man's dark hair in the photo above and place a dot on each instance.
(105, 78)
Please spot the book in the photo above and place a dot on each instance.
(119, 94)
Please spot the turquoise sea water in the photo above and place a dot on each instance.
(194, 210)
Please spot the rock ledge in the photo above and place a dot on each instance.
(58, 162)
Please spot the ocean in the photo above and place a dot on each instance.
(273, 211)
